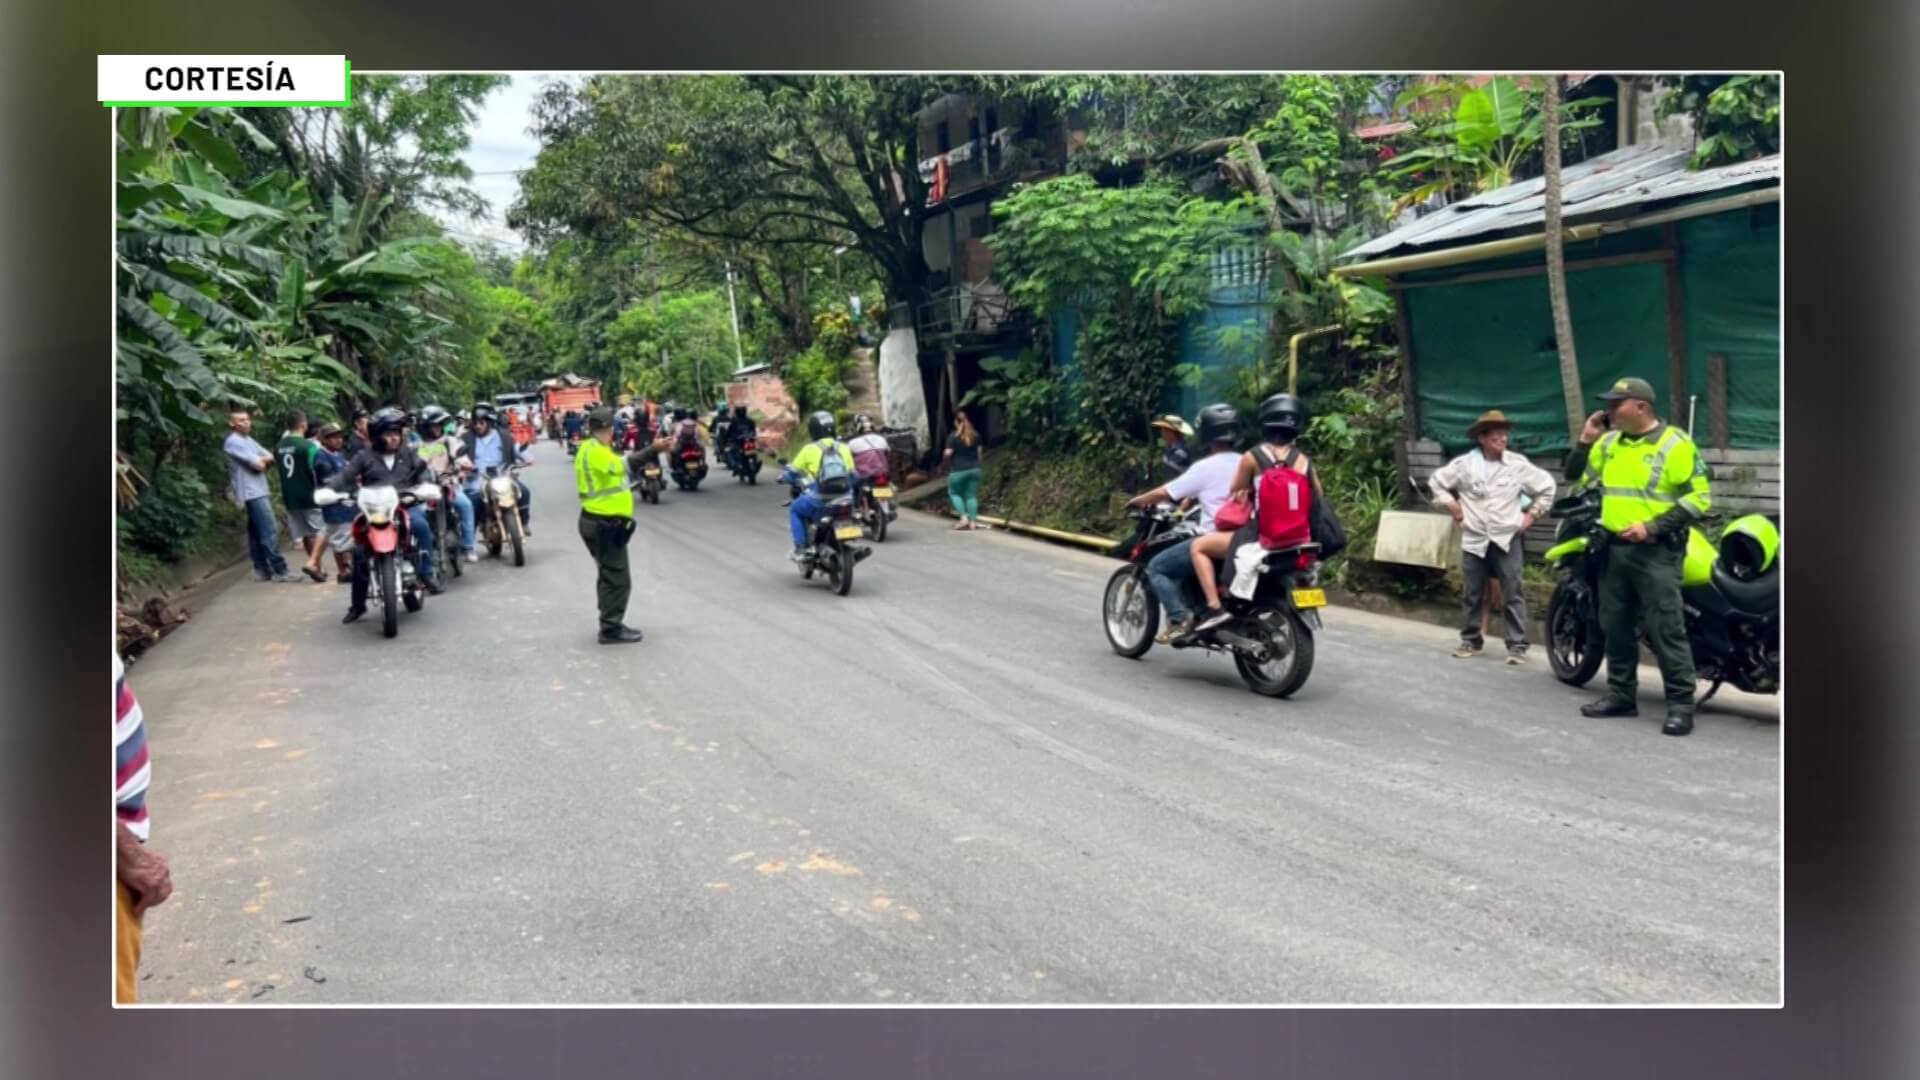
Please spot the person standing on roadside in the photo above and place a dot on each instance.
(338, 517)
(966, 457)
(142, 879)
(1483, 490)
(247, 465)
(1653, 489)
(294, 457)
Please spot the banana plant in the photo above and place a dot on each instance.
(1494, 130)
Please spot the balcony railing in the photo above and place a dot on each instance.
(968, 310)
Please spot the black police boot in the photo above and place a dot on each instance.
(624, 635)
(354, 614)
(1679, 720)
(1610, 706)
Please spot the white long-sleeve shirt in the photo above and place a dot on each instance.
(1489, 495)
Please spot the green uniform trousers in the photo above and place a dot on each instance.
(1641, 586)
(606, 539)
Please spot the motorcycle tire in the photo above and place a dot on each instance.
(389, 572)
(518, 538)
(840, 570)
(454, 558)
(753, 478)
(493, 535)
(1126, 639)
(440, 569)
(1292, 675)
(1575, 648)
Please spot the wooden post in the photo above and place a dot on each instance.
(1717, 400)
(1676, 328)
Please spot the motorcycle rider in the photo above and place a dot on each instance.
(444, 455)
(387, 462)
(805, 469)
(1282, 416)
(869, 448)
(1208, 480)
(487, 447)
(1653, 489)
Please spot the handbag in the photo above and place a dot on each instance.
(1233, 514)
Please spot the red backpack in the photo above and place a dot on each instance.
(1283, 501)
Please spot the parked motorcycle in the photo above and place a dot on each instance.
(743, 459)
(498, 511)
(1270, 636)
(1731, 595)
(689, 467)
(384, 534)
(873, 507)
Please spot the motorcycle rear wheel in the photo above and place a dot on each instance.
(1575, 649)
(389, 575)
(1281, 675)
(878, 525)
(840, 570)
(1130, 614)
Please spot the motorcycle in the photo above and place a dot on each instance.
(447, 554)
(828, 550)
(383, 531)
(499, 512)
(743, 459)
(1732, 607)
(873, 507)
(649, 483)
(1270, 636)
(689, 466)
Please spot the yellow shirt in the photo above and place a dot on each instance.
(807, 461)
(600, 475)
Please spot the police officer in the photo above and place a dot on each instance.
(1653, 487)
(606, 523)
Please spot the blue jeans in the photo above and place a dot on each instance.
(805, 508)
(263, 538)
(463, 506)
(1167, 572)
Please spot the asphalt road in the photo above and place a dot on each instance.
(942, 788)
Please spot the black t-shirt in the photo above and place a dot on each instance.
(966, 455)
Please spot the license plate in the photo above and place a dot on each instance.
(847, 532)
(651, 473)
(1309, 598)
(883, 493)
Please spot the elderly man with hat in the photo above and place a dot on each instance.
(1495, 495)
(1175, 455)
(1653, 488)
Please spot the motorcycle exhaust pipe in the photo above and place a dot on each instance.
(1257, 648)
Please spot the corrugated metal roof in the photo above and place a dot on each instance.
(1634, 176)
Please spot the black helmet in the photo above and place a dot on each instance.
(1283, 412)
(433, 416)
(1218, 423)
(820, 424)
(385, 420)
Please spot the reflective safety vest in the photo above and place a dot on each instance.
(600, 475)
(1641, 479)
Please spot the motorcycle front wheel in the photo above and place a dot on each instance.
(1130, 612)
(389, 576)
(1289, 657)
(519, 539)
(1575, 649)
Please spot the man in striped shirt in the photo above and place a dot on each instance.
(142, 876)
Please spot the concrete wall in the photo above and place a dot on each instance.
(903, 402)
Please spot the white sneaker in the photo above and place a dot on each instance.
(473, 556)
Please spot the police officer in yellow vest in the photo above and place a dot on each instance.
(1653, 487)
(606, 522)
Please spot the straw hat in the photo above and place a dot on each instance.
(1492, 418)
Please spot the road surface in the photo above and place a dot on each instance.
(943, 788)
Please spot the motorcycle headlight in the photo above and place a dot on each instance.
(502, 490)
(379, 504)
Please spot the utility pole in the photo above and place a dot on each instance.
(739, 358)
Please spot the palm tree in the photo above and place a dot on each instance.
(1556, 262)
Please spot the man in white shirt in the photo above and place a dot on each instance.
(1208, 480)
(1495, 495)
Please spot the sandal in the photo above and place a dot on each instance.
(315, 573)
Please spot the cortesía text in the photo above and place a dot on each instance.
(215, 79)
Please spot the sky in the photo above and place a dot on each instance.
(500, 146)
